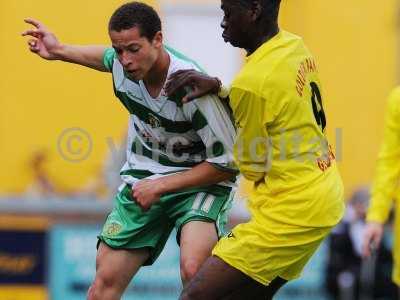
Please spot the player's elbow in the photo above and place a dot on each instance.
(224, 172)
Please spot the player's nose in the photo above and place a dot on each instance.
(223, 23)
(125, 60)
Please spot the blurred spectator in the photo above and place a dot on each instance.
(346, 269)
(102, 185)
(113, 164)
(107, 180)
(42, 184)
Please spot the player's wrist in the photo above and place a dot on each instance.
(375, 225)
(162, 186)
(375, 222)
(220, 90)
(216, 85)
(224, 92)
(58, 52)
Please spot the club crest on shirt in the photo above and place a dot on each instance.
(154, 121)
(112, 228)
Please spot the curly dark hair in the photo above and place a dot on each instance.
(136, 14)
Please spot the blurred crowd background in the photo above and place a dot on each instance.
(62, 141)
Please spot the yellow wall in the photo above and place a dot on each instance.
(41, 99)
(355, 43)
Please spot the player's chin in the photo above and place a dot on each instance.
(236, 44)
(231, 41)
(228, 39)
(135, 76)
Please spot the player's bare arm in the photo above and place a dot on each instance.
(148, 192)
(46, 45)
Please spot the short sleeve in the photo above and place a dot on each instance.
(108, 58)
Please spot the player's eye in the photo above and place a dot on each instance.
(133, 50)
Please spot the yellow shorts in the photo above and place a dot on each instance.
(264, 252)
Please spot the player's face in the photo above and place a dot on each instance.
(135, 52)
(236, 24)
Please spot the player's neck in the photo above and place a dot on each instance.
(260, 38)
(156, 77)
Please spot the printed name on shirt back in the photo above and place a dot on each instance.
(325, 161)
(306, 67)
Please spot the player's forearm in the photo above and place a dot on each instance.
(383, 190)
(204, 174)
(88, 56)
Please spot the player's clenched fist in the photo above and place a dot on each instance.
(147, 192)
(44, 43)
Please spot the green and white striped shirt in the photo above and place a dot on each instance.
(166, 136)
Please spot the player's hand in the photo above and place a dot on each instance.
(147, 192)
(43, 42)
(372, 237)
(201, 84)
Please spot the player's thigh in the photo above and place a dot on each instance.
(208, 206)
(116, 267)
(257, 291)
(197, 240)
(215, 280)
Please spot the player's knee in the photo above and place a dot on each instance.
(92, 293)
(189, 268)
(190, 293)
(103, 284)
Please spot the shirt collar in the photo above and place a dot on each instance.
(268, 45)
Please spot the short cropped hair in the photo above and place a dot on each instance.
(270, 8)
(136, 14)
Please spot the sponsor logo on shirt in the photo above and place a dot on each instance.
(154, 121)
(230, 235)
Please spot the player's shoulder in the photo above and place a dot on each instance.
(291, 37)
(291, 66)
(394, 101)
(273, 61)
(180, 61)
(394, 96)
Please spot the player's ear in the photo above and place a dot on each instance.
(158, 40)
(256, 10)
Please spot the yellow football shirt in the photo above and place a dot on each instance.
(281, 145)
